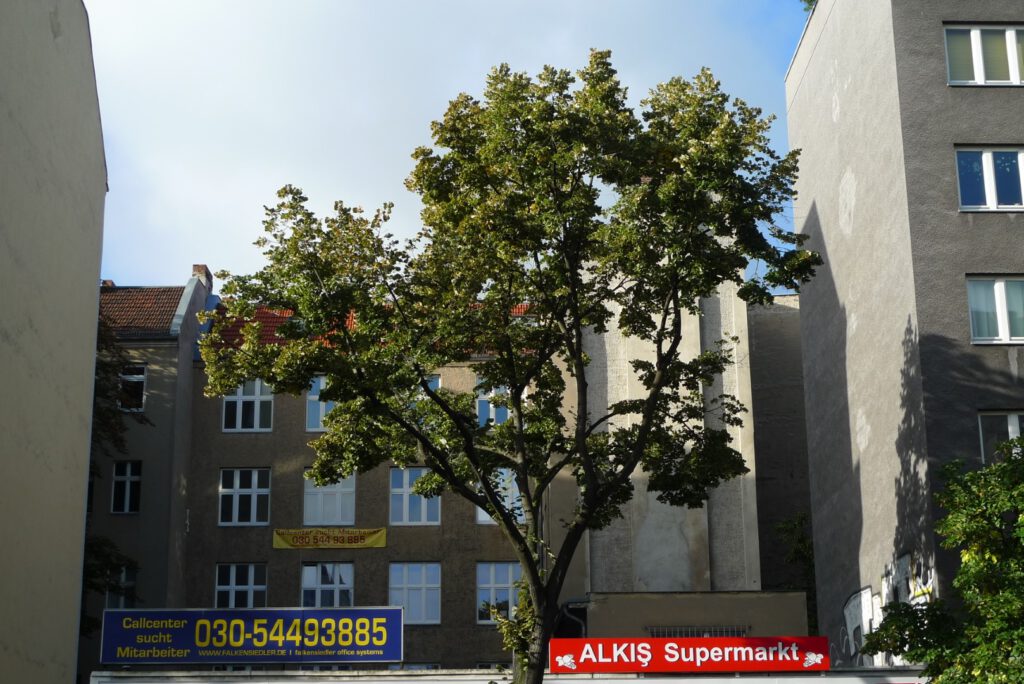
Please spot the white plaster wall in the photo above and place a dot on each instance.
(52, 189)
(655, 547)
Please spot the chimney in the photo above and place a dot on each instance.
(107, 283)
(203, 273)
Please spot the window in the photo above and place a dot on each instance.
(408, 508)
(331, 504)
(505, 483)
(124, 597)
(132, 396)
(989, 55)
(996, 309)
(250, 408)
(127, 487)
(492, 406)
(316, 410)
(245, 496)
(241, 585)
(417, 588)
(990, 179)
(495, 587)
(326, 585)
(996, 428)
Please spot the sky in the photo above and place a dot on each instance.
(209, 106)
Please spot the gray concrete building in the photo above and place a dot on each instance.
(52, 193)
(908, 113)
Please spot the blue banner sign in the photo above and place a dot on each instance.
(282, 635)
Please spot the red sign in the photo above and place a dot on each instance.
(725, 654)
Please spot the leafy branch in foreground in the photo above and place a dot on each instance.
(980, 636)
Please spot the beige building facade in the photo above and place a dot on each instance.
(52, 193)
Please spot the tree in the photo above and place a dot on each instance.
(808, 4)
(980, 636)
(517, 263)
(103, 561)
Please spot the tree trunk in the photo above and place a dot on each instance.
(529, 667)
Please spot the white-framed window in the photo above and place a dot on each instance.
(244, 496)
(505, 483)
(990, 178)
(316, 410)
(127, 487)
(241, 585)
(495, 588)
(996, 307)
(487, 409)
(132, 395)
(127, 578)
(408, 508)
(250, 408)
(326, 585)
(985, 55)
(996, 427)
(417, 588)
(333, 504)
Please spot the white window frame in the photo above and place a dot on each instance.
(311, 581)
(317, 500)
(1013, 427)
(254, 592)
(506, 483)
(314, 407)
(401, 516)
(262, 399)
(127, 378)
(404, 593)
(127, 579)
(235, 492)
(1002, 311)
(486, 411)
(989, 176)
(977, 55)
(130, 482)
(487, 588)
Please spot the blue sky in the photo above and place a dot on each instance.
(209, 106)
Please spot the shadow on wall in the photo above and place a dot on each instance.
(920, 570)
(836, 503)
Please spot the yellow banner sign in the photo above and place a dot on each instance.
(330, 538)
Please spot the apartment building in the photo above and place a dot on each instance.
(137, 498)
(908, 113)
(438, 558)
(248, 530)
(659, 570)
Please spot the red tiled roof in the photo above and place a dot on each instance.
(140, 311)
(269, 320)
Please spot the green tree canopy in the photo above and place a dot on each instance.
(978, 637)
(551, 211)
